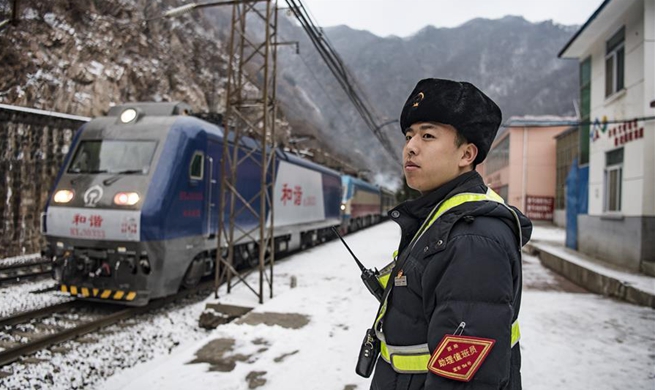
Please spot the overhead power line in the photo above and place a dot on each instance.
(340, 72)
(573, 123)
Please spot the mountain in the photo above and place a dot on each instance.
(512, 60)
(82, 57)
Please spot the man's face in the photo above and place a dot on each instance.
(431, 156)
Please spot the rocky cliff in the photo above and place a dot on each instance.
(82, 57)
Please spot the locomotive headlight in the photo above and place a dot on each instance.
(128, 115)
(343, 207)
(63, 196)
(126, 198)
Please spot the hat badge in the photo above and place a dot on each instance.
(417, 99)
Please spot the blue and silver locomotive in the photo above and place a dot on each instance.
(133, 214)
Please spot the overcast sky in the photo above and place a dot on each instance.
(405, 17)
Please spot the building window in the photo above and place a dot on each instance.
(585, 109)
(614, 63)
(503, 192)
(498, 158)
(196, 170)
(613, 178)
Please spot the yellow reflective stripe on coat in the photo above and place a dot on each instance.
(410, 364)
(409, 359)
(516, 333)
(383, 276)
(384, 279)
(462, 198)
(414, 359)
(442, 208)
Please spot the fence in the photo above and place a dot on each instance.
(33, 144)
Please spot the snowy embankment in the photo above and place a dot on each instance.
(19, 260)
(25, 296)
(571, 339)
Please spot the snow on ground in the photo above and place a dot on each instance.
(18, 297)
(544, 232)
(328, 290)
(82, 364)
(551, 238)
(571, 339)
(639, 281)
(585, 341)
(22, 259)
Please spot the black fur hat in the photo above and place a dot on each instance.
(459, 104)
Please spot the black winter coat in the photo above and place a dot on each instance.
(465, 268)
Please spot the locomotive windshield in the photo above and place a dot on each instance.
(109, 156)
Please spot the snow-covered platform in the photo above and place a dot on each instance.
(308, 336)
(547, 243)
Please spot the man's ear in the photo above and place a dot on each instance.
(469, 154)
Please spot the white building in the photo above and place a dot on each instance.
(616, 52)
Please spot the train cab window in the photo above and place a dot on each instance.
(196, 169)
(113, 157)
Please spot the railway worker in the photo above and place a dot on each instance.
(449, 316)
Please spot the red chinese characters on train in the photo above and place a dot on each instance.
(191, 196)
(129, 226)
(193, 213)
(93, 220)
(295, 196)
(88, 227)
(287, 194)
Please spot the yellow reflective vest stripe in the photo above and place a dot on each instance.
(516, 333)
(383, 277)
(413, 359)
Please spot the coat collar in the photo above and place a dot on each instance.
(411, 214)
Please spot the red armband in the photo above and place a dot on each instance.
(459, 357)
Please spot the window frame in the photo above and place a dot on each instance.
(612, 53)
(503, 192)
(618, 190)
(85, 146)
(202, 165)
(498, 157)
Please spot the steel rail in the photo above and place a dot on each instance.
(12, 354)
(25, 270)
(23, 265)
(38, 313)
(14, 278)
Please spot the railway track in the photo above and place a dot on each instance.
(17, 272)
(116, 314)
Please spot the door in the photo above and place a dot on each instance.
(214, 153)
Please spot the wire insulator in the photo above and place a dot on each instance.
(185, 9)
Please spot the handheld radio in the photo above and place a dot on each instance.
(369, 276)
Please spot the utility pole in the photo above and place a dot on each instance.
(14, 13)
(245, 216)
